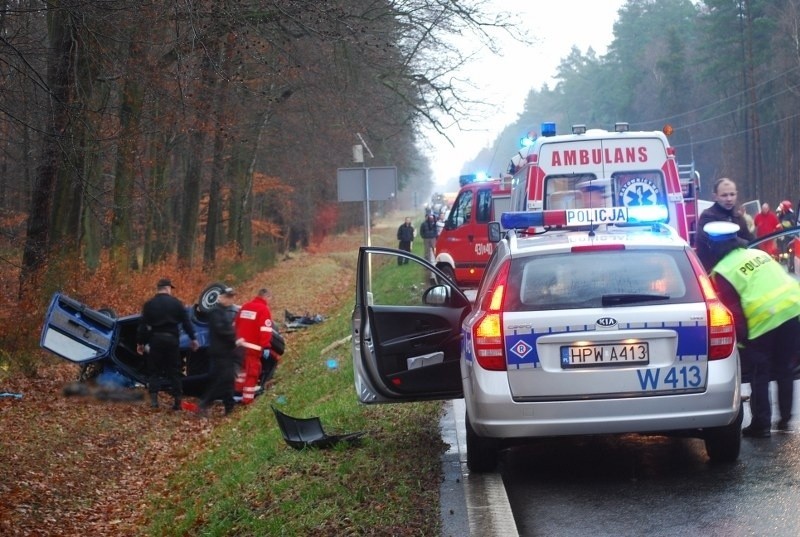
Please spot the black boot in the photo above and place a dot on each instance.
(176, 405)
(153, 400)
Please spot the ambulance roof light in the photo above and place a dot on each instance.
(621, 126)
(548, 128)
(638, 215)
(579, 129)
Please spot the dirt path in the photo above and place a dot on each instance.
(81, 466)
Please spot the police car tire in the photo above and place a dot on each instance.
(481, 452)
(724, 443)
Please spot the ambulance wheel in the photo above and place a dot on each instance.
(209, 297)
(723, 443)
(449, 272)
(481, 452)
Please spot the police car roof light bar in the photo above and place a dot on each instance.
(641, 215)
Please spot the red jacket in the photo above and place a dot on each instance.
(254, 325)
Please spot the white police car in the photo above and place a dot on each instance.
(595, 329)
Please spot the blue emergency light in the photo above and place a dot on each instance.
(548, 128)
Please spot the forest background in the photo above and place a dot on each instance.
(192, 138)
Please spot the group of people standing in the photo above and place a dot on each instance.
(763, 298)
(238, 340)
(429, 230)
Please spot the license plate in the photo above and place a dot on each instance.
(574, 356)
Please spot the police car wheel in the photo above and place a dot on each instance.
(209, 297)
(723, 443)
(481, 452)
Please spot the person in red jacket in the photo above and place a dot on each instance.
(254, 334)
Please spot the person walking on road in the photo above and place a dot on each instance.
(405, 236)
(157, 337)
(765, 302)
(223, 354)
(254, 333)
(723, 210)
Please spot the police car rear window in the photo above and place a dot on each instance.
(601, 279)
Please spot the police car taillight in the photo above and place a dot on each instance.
(487, 331)
(721, 329)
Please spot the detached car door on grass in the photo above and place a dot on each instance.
(406, 332)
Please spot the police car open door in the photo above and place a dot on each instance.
(406, 330)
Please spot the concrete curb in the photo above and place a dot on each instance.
(471, 504)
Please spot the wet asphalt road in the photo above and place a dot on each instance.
(655, 486)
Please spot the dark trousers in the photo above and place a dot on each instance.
(222, 374)
(772, 356)
(164, 361)
(404, 245)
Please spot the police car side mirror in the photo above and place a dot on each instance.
(438, 295)
(495, 232)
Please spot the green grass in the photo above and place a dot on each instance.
(249, 482)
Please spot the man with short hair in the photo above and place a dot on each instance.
(766, 222)
(157, 337)
(254, 333)
(723, 210)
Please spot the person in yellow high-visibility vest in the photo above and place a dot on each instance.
(765, 302)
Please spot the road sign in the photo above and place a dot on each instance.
(354, 183)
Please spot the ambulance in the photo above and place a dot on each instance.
(600, 169)
(463, 248)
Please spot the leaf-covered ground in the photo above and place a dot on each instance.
(79, 465)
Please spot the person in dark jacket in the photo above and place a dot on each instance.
(723, 210)
(223, 354)
(765, 303)
(427, 230)
(405, 236)
(157, 337)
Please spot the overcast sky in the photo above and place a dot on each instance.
(505, 81)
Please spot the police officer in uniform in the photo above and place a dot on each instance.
(765, 302)
(222, 350)
(157, 337)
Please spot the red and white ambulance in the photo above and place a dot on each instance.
(600, 169)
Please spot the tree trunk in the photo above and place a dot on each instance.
(60, 69)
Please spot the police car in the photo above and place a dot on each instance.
(604, 323)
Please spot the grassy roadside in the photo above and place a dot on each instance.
(244, 480)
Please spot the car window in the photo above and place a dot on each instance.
(397, 284)
(581, 280)
(460, 213)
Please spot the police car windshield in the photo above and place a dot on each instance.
(594, 279)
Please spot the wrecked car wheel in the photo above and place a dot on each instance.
(90, 371)
(209, 297)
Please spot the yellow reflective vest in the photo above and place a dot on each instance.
(768, 294)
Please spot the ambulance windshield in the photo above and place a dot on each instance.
(622, 189)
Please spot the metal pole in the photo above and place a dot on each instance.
(367, 235)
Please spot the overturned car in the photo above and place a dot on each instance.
(104, 345)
